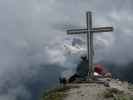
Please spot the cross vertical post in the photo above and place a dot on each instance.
(90, 43)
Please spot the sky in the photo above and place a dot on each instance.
(31, 31)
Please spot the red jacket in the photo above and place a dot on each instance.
(100, 69)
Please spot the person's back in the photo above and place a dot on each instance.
(82, 69)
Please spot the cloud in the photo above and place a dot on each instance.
(29, 27)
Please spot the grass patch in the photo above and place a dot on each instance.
(56, 93)
(123, 97)
(107, 94)
(130, 87)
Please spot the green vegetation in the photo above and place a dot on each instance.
(130, 87)
(108, 94)
(56, 93)
(123, 97)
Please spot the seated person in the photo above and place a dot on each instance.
(83, 69)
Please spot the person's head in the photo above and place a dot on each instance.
(84, 58)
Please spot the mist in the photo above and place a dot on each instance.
(32, 34)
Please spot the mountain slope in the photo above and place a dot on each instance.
(117, 90)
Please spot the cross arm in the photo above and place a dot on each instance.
(77, 31)
(95, 30)
(102, 29)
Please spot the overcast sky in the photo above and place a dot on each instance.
(40, 21)
(28, 26)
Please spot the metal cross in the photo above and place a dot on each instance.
(89, 30)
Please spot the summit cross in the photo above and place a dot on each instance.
(89, 30)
